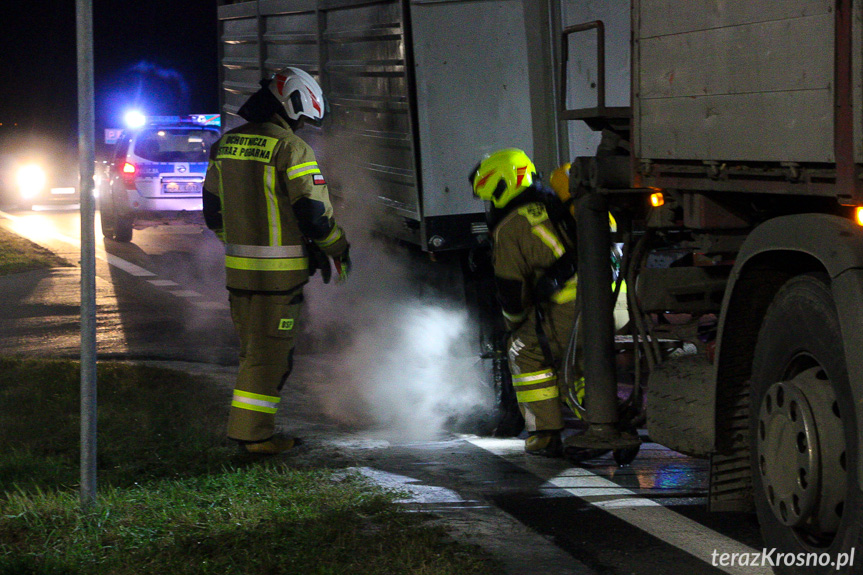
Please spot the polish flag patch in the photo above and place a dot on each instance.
(318, 180)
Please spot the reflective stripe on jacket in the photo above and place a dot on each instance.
(525, 246)
(259, 170)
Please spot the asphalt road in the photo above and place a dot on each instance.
(377, 387)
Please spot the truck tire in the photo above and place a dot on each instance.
(803, 433)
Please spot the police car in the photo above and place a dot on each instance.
(156, 174)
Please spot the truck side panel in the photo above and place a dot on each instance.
(665, 17)
(239, 56)
(491, 60)
(728, 86)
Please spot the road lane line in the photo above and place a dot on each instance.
(122, 264)
(128, 267)
(642, 512)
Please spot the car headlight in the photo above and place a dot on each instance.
(31, 180)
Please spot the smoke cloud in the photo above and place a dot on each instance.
(403, 373)
(404, 350)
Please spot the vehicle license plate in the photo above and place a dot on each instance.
(181, 187)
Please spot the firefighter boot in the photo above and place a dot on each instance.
(546, 443)
(272, 446)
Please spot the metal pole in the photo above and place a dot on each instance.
(594, 282)
(597, 316)
(86, 166)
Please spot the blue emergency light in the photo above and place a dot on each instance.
(135, 119)
(200, 119)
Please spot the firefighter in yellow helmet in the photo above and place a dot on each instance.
(534, 268)
(265, 197)
(559, 182)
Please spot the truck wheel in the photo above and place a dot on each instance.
(803, 429)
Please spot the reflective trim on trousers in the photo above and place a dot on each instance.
(541, 394)
(533, 377)
(266, 264)
(255, 401)
(532, 380)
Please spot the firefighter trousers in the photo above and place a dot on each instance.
(534, 378)
(266, 324)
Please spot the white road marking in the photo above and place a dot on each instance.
(415, 492)
(127, 267)
(122, 264)
(646, 514)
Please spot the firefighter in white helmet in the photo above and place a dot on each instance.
(266, 198)
(534, 268)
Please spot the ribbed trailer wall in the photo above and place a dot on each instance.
(356, 50)
(415, 100)
(366, 77)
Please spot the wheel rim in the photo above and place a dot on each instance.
(801, 454)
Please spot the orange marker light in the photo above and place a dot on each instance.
(858, 213)
(657, 199)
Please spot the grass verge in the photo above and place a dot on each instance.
(176, 498)
(18, 254)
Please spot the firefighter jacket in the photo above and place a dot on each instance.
(264, 195)
(526, 245)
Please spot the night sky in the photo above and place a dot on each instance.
(159, 55)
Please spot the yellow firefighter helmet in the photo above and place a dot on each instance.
(502, 175)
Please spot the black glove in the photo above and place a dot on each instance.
(318, 260)
(479, 257)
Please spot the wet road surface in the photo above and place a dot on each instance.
(162, 298)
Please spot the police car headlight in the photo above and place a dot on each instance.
(31, 180)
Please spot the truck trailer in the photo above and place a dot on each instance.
(732, 163)
(735, 177)
(417, 91)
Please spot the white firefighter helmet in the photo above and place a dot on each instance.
(299, 93)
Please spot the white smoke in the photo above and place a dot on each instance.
(405, 352)
(403, 365)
